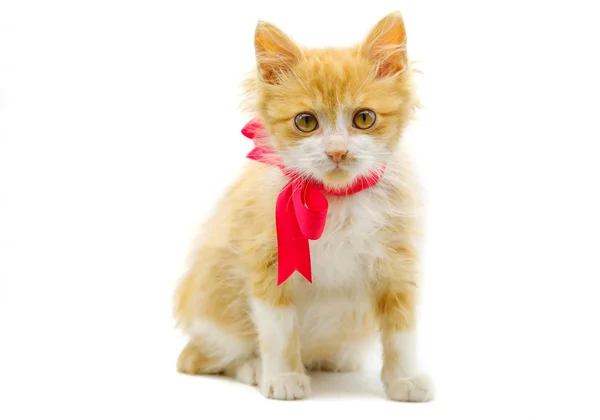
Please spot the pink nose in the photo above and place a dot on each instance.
(337, 155)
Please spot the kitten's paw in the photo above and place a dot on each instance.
(417, 388)
(249, 372)
(286, 386)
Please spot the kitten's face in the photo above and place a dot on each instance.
(335, 114)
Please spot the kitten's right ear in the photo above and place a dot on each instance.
(276, 53)
(386, 45)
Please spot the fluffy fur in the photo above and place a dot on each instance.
(365, 266)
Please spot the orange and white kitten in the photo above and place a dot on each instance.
(365, 266)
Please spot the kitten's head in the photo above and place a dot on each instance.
(334, 114)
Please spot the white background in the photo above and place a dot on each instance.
(119, 130)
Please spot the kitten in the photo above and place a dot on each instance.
(329, 117)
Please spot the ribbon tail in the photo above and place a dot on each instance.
(293, 250)
(293, 256)
(285, 264)
(286, 232)
(303, 264)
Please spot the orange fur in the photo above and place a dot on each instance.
(229, 294)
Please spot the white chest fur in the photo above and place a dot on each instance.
(338, 302)
(344, 256)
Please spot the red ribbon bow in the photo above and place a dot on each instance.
(301, 209)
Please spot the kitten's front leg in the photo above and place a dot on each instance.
(283, 373)
(395, 296)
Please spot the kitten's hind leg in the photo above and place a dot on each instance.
(213, 351)
(194, 361)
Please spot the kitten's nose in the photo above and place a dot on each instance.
(337, 155)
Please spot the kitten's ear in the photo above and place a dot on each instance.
(276, 53)
(386, 45)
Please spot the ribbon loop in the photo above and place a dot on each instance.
(311, 210)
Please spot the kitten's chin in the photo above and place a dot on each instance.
(337, 178)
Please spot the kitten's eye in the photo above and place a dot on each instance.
(364, 119)
(306, 122)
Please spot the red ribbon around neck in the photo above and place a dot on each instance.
(301, 209)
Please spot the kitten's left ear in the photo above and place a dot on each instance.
(386, 45)
(276, 53)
